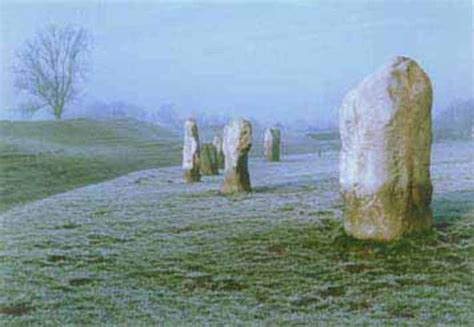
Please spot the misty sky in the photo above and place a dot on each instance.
(262, 59)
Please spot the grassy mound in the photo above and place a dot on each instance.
(38, 159)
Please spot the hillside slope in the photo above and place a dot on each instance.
(41, 158)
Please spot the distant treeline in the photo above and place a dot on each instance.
(456, 122)
(324, 136)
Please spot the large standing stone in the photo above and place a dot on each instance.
(271, 144)
(191, 152)
(208, 160)
(217, 141)
(236, 145)
(385, 126)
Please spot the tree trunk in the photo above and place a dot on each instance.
(58, 111)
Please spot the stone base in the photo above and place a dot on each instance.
(220, 160)
(209, 167)
(273, 156)
(386, 216)
(209, 171)
(208, 160)
(192, 176)
(235, 182)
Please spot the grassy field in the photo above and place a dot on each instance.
(42, 158)
(147, 249)
(38, 159)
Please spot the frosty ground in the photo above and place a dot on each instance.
(147, 248)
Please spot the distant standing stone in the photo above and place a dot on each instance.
(236, 145)
(208, 160)
(271, 144)
(191, 152)
(220, 152)
(385, 127)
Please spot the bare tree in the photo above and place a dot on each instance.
(52, 65)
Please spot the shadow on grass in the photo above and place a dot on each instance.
(451, 206)
(316, 266)
(285, 188)
(16, 310)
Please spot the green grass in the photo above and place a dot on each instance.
(288, 274)
(147, 250)
(277, 256)
(39, 159)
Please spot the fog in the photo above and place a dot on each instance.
(269, 61)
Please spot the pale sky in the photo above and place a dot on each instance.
(280, 59)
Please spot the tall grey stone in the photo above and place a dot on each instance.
(191, 152)
(208, 160)
(271, 144)
(217, 141)
(385, 127)
(236, 145)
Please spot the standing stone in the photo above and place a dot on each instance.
(220, 152)
(236, 145)
(385, 126)
(271, 144)
(191, 152)
(208, 160)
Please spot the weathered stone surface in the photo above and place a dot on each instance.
(208, 160)
(385, 127)
(236, 145)
(271, 144)
(217, 141)
(191, 152)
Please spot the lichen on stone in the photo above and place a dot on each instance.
(386, 139)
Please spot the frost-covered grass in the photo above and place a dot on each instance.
(41, 158)
(146, 248)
